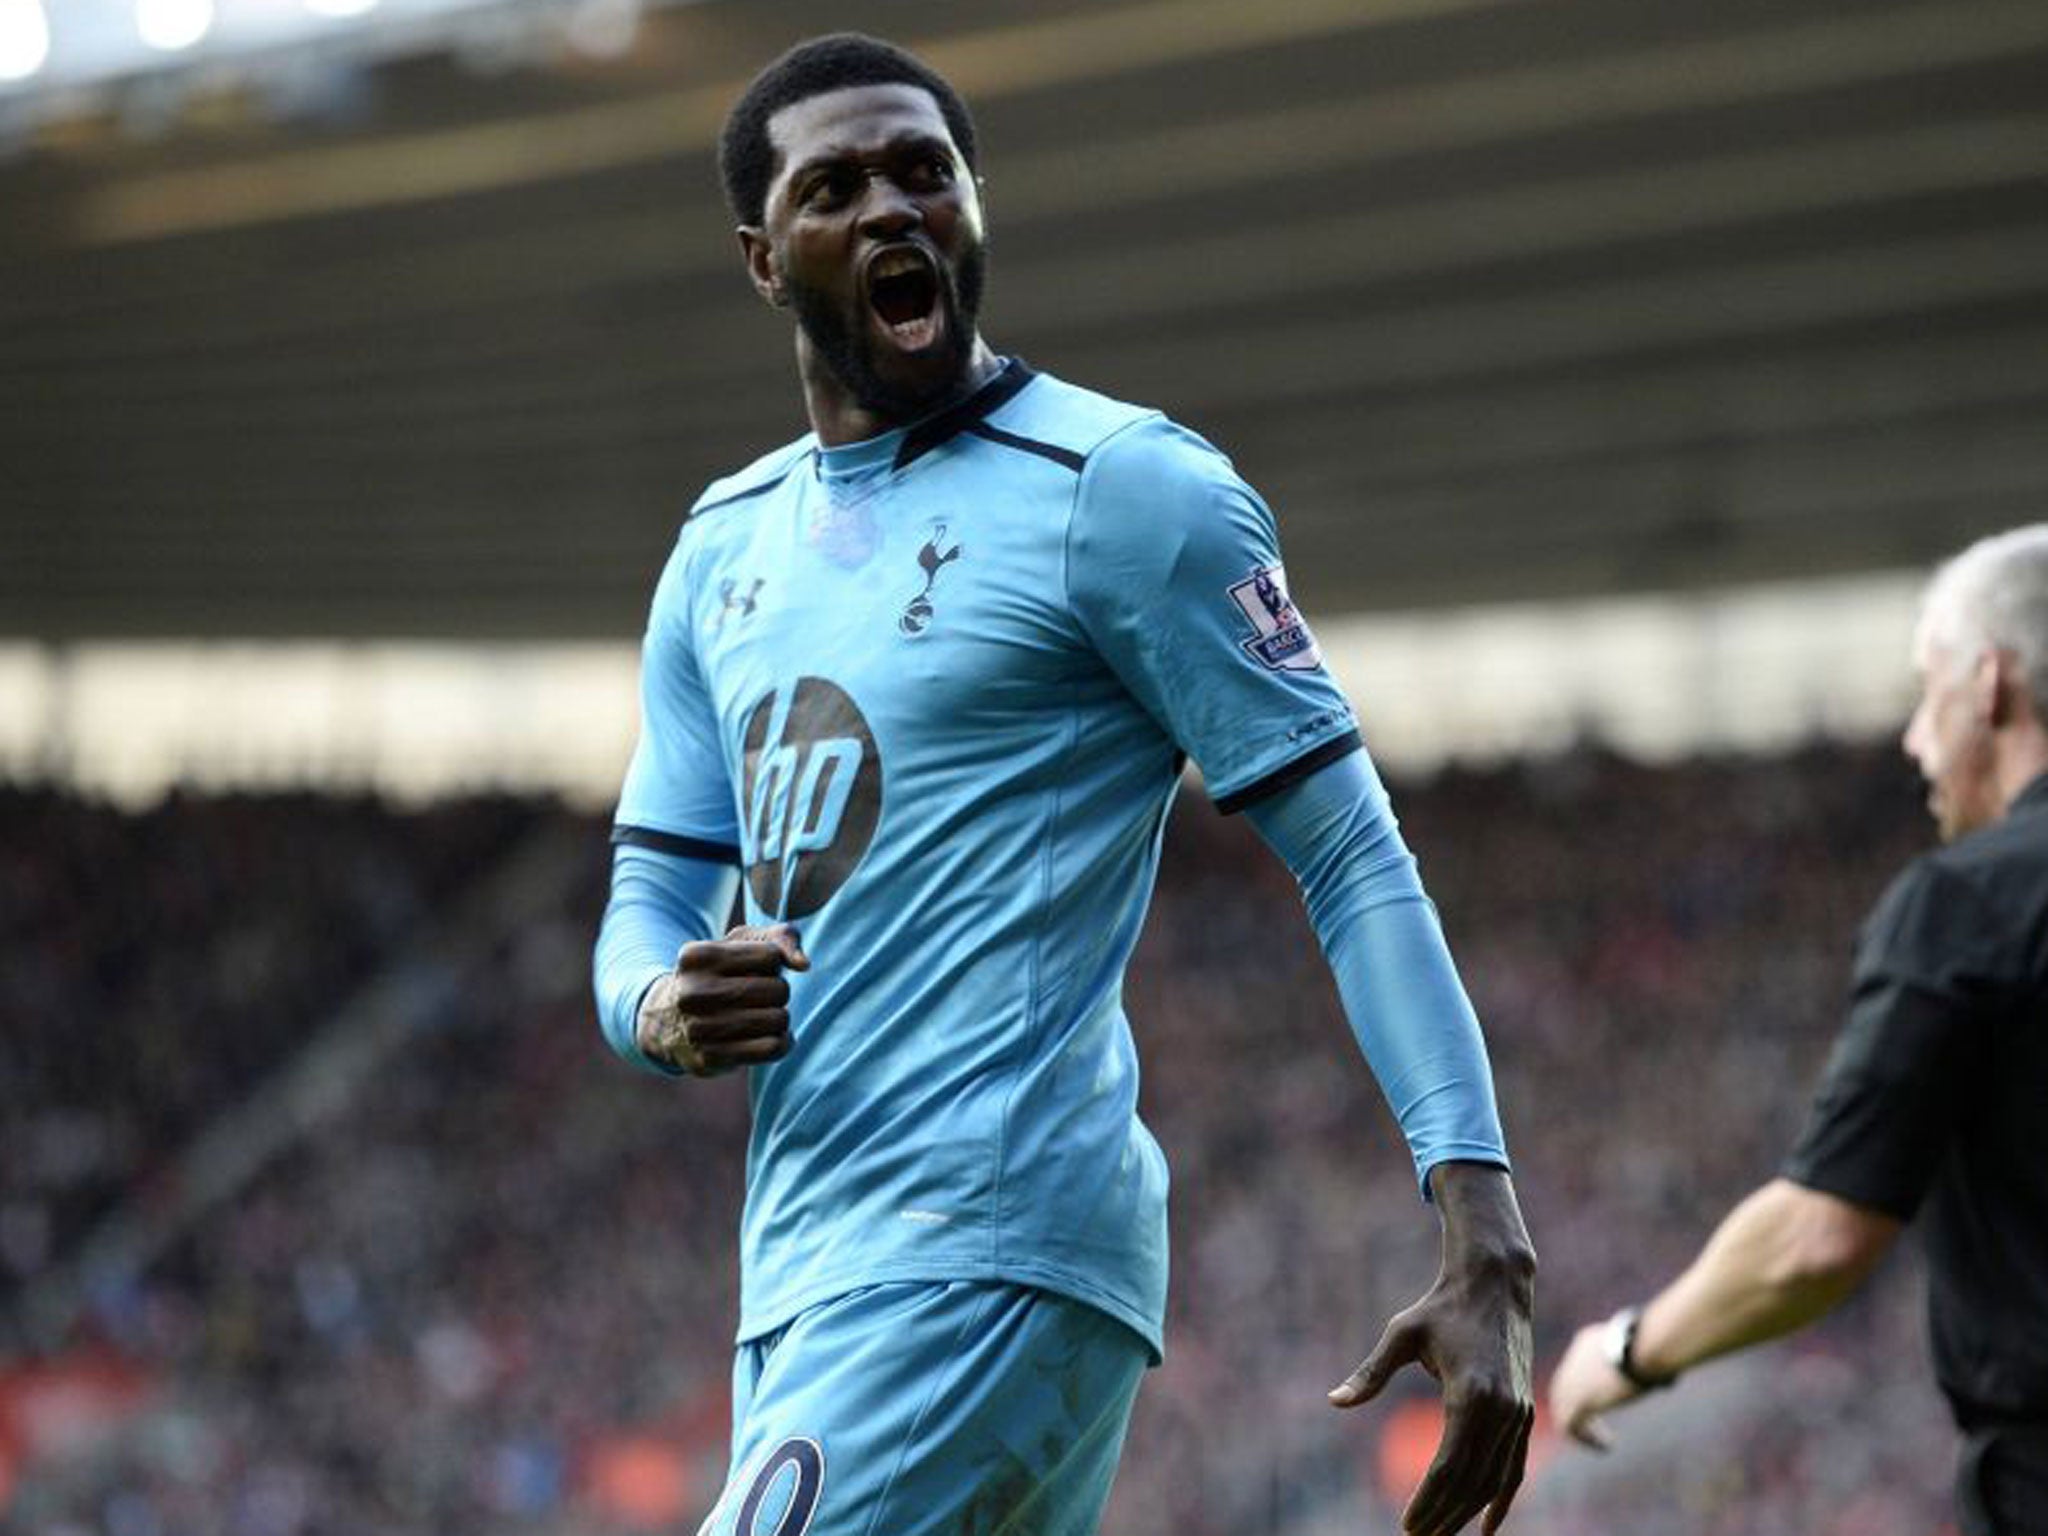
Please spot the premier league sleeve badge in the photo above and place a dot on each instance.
(1280, 639)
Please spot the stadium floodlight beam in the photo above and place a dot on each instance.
(173, 25)
(24, 38)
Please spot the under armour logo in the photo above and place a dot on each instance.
(917, 613)
(737, 601)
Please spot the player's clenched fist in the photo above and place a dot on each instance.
(725, 1005)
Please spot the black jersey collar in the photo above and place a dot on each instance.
(955, 419)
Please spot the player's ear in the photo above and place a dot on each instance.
(2001, 687)
(759, 256)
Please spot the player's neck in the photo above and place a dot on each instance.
(839, 418)
(2022, 759)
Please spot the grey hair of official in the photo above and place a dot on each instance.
(1994, 596)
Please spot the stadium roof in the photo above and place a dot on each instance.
(1494, 298)
(61, 57)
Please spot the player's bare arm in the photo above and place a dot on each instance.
(1472, 1332)
(1780, 1260)
(725, 1005)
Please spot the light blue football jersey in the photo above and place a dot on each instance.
(933, 691)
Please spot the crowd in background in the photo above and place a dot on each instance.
(496, 1289)
(157, 965)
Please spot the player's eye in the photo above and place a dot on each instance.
(829, 188)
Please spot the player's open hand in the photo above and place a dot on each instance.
(1472, 1332)
(725, 1005)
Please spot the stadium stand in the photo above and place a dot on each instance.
(490, 1285)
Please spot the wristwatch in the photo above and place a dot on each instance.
(1621, 1351)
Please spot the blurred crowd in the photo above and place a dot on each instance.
(157, 965)
(495, 1289)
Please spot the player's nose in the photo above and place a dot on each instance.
(887, 211)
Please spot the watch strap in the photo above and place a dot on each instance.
(1621, 1351)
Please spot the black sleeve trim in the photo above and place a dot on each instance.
(681, 847)
(1053, 451)
(1291, 773)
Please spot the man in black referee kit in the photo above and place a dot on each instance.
(1937, 1092)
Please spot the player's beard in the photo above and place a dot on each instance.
(848, 346)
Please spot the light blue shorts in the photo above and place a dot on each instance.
(968, 1408)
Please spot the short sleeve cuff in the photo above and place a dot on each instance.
(1290, 772)
(674, 843)
(1844, 1184)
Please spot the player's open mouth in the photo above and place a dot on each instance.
(903, 292)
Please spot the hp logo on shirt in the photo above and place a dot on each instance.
(811, 792)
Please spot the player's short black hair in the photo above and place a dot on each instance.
(835, 62)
